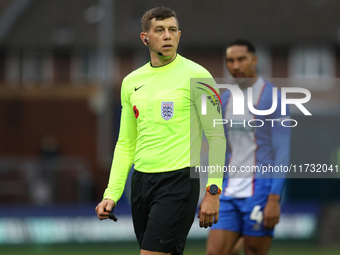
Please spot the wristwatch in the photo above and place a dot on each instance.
(214, 189)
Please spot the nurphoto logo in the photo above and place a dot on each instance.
(239, 102)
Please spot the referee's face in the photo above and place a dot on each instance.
(241, 63)
(163, 37)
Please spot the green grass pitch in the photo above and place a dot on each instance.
(131, 248)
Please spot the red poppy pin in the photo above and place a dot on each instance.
(135, 110)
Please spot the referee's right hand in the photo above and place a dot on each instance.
(104, 208)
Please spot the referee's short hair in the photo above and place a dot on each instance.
(243, 42)
(159, 13)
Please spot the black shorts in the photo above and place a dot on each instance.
(163, 209)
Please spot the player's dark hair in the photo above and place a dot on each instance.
(159, 13)
(243, 42)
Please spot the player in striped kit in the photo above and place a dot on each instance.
(250, 204)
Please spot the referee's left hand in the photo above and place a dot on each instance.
(208, 210)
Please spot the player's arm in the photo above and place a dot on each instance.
(209, 208)
(280, 140)
(122, 159)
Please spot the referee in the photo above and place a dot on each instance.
(161, 133)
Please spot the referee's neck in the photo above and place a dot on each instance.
(158, 61)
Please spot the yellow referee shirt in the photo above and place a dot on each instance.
(161, 123)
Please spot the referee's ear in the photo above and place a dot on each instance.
(144, 36)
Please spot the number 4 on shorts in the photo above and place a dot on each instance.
(256, 214)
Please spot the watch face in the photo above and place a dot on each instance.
(213, 189)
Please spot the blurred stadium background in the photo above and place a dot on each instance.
(61, 66)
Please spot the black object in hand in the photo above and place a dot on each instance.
(113, 217)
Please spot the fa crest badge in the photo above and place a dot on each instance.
(167, 110)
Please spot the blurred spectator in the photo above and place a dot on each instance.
(42, 176)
